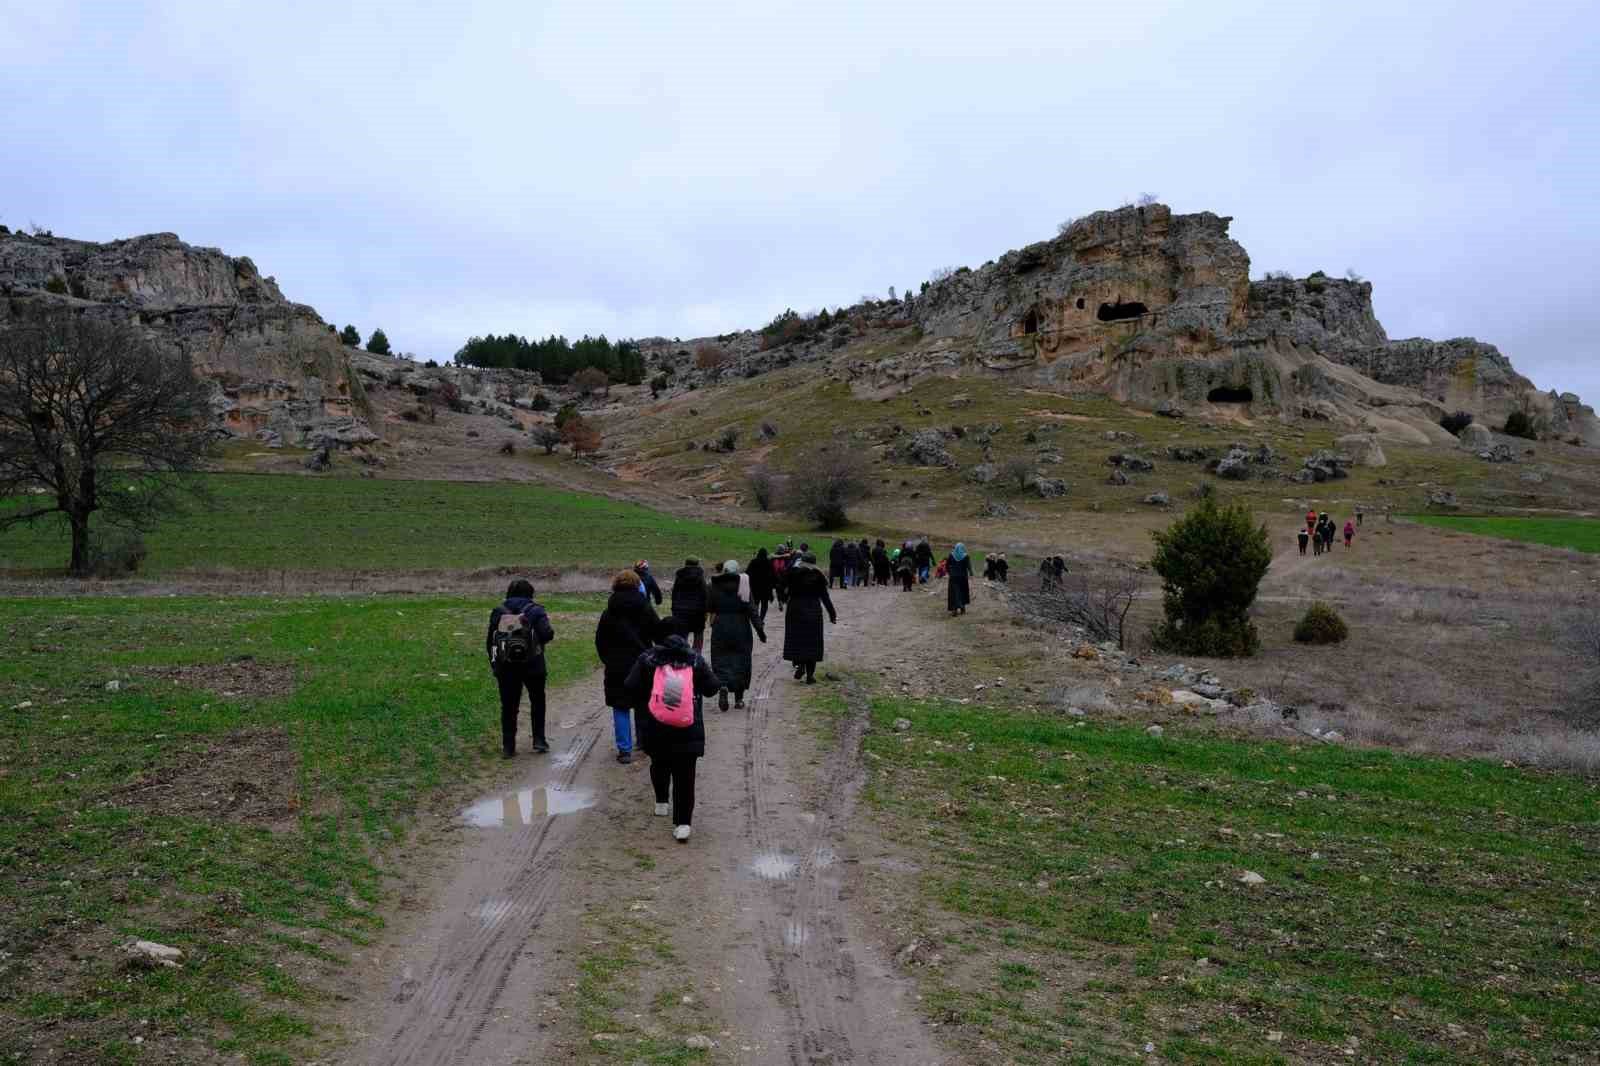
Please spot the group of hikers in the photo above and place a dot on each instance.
(656, 678)
(1320, 531)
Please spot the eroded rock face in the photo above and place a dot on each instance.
(278, 370)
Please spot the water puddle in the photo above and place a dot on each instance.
(527, 806)
(492, 912)
(796, 934)
(774, 866)
(564, 760)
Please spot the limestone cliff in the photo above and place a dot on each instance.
(279, 371)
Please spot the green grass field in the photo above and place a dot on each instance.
(1580, 534)
(1080, 895)
(230, 798)
(261, 523)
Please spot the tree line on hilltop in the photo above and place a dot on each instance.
(556, 359)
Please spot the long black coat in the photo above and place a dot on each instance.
(627, 628)
(689, 598)
(762, 578)
(655, 738)
(880, 565)
(733, 632)
(808, 597)
(836, 560)
(958, 572)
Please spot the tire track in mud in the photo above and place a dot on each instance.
(797, 897)
(447, 1007)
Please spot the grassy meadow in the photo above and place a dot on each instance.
(1579, 534)
(265, 523)
(1080, 899)
(229, 798)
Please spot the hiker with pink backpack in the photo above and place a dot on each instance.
(669, 684)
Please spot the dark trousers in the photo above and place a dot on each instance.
(511, 683)
(761, 608)
(675, 774)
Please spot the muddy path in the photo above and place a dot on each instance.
(773, 935)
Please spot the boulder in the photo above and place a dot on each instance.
(1499, 453)
(927, 448)
(1159, 498)
(1128, 461)
(1185, 454)
(1116, 477)
(1049, 488)
(1327, 466)
(1476, 437)
(1363, 449)
(1235, 466)
(983, 473)
(1443, 499)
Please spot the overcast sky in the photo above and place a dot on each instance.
(684, 169)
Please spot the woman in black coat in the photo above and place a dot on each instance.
(763, 583)
(732, 620)
(628, 627)
(880, 564)
(672, 750)
(802, 636)
(836, 564)
(958, 572)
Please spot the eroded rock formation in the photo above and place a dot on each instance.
(278, 370)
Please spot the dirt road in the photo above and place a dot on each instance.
(773, 940)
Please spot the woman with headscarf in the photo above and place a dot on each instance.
(958, 570)
(802, 636)
(762, 581)
(732, 620)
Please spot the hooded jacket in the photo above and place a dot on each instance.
(655, 738)
(627, 628)
(538, 621)
(689, 596)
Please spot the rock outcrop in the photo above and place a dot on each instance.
(278, 370)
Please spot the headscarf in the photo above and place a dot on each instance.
(959, 552)
(731, 566)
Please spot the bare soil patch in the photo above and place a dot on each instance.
(248, 777)
(242, 677)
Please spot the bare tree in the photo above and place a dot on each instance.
(824, 485)
(1098, 602)
(1146, 199)
(580, 436)
(1021, 471)
(1065, 224)
(591, 380)
(95, 419)
(764, 487)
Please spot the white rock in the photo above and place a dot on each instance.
(701, 1042)
(24, 705)
(1154, 731)
(1274, 1037)
(113, 686)
(1333, 736)
(159, 953)
(902, 724)
(1252, 878)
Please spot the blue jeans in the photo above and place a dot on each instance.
(922, 574)
(622, 725)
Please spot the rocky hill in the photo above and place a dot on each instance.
(1158, 311)
(280, 373)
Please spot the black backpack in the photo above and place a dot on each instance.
(514, 641)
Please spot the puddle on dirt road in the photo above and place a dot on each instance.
(774, 866)
(527, 806)
(563, 760)
(796, 934)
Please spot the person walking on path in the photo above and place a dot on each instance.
(1311, 521)
(802, 635)
(905, 568)
(628, 628)
(762, 580)
(958, 572)
(689, 595)
(864, 566)
(852, 563)
(1361, 514)
(518, 631)
(1303, 536)
(647, 581)
(835, 563)
(732, 622)
(673, 749)
(880, 564)
(1349, 533)
(1002, 569)
(924, 555)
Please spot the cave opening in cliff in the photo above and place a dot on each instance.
(1119, 310)
(1030, 321)
(1230, 394)
(1080, 303)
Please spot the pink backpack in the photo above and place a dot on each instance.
(672, 696)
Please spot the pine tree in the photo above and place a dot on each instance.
(378, 344)
(351, 336)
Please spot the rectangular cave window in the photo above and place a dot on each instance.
(1030, 321)
(1230, 394)
(1119, 310)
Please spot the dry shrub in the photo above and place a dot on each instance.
(711, 357)
(580, 436)
(824, 485)
(764, 487)
(1096, 601)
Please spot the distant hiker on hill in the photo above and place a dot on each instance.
(924, 554)
(627, 628)
(802, 636)
(989, 571)
(668, 686)
(1349, 533)
(762, 579)
(958, 569)
(732, 620)
(518, 631)
(647, 581)
(1361, 514)
(1304, 537)
(689, 594)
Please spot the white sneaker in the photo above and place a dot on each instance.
(662, 810)
(681, 833)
